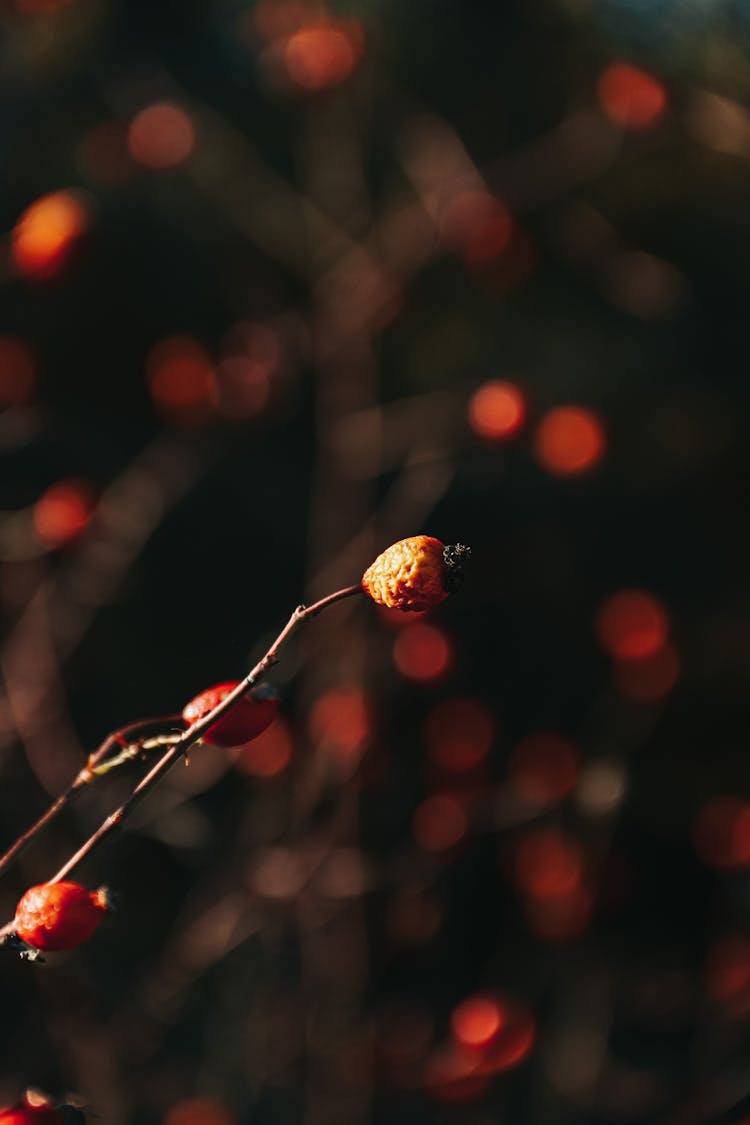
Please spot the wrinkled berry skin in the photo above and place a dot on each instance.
(56, 916)
(25, 1114)
(244, 721)
(414, 574)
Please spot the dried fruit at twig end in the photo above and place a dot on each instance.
(244, 721)
(416, 573)
(57, 916)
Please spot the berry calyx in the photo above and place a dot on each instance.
(416, 573)
(57, 916)
(244, 721)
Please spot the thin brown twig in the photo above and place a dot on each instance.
(138, 749)
(192, 734)
(82, 778)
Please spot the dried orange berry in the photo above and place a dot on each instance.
(57, 916)
(415, 573)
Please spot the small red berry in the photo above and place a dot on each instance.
(55, 916)
(415, 573)
(26, 1113)
(244, 721)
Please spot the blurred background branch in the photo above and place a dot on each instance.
(282, 282)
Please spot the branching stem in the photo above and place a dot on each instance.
(85, 776)
(179, 747)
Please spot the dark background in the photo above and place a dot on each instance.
(287, 948)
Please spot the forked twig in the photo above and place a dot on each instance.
(186, 740)
(84, 777)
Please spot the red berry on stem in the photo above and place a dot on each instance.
(244, 721)
(27, 1114)
(56, 916)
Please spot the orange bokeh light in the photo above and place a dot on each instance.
(458, 733)
(544, 767)
(561, 917)
(396, 618)
(501, 1036)
(252, 357)
(255, 340)
(630, 97)
(497, 410)
(181, 379)
(650, 678)
(17, 371)
(504, 271)
(439, 823)
(422, 653)
(320, 56)
(453, 1076)
(569, 440)
(46, 233)
(632, 625)
(269, 753)
(490, 240)
(199, 1111)
(547, 864)
(242, 387)
(728, 974)
(161, 136)
(721, 833)
(340, 722)
(476, 1021)
(63, 512)
(476, 224)
(512, 1042)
